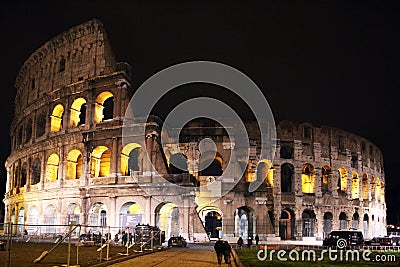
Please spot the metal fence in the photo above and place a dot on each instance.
(142, 237)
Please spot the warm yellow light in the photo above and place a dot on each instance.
(308, 179)
(52, 168)
(100, 162)
(343, 179)
(125, 157)
(355, 187)
(76, 111)
(74, 164)
(135, 209)
(98, 109)
(365, 187)
(56, 118)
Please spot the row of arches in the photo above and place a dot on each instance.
(359, 188)
(103, 110)
(100, 159)
(308, 221)
(129, 215)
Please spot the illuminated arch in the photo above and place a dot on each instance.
(245, 218)
(104, 107)
(73, 213)
(130, 158)
(308, 178)
(167, 218)
(78, 112)
(342, 179)
(265, 172)
(355, 186)
(212, 218)
(74, 164)
(98, 215)
(52, 167)
(326, 178)
(100, 162)
(56, 118)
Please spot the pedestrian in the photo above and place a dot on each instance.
(124, 238)
(227, 252)
(25, 234)
(249, 242)
(257, 239)
(219, 249)
(240, 242)
(116, 238)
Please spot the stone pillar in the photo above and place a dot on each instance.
(114, 158)
(318, 184)
(277, 198)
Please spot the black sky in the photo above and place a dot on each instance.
(326, 62)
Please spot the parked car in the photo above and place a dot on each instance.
(381, 241)
(177, 241)
(396, 240)
(352, 238)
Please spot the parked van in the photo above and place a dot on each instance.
(352, 237)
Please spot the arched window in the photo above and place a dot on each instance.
(355, 222)
(308, 218)
(326, 178)
(56, 118)
(265, 172)
(78, 112)
(355, 186)
(24, 173)
(308, 179)
(287, 174)
(28, 130)
(74, 164)
(40, 124)
(104, 107)
(342, 180)
(365, 187)
(36, 168)
(342, 221)
(52, 168)
(378, 189)
(130, 158)
(100, 162)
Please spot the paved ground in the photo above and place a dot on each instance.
(193, 256)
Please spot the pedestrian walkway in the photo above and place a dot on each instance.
(173, 257)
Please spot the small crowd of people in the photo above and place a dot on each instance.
(240, 241)
(223, 249)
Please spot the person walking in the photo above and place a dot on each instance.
(249, 242)
(240, 242)
(227, 252)
(219, 249)
(257, 238)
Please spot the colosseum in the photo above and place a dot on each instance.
(69, 164)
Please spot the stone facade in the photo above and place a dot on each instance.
(69, 163)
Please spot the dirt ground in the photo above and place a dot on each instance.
(23, 254)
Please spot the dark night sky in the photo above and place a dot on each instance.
(325, 62)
